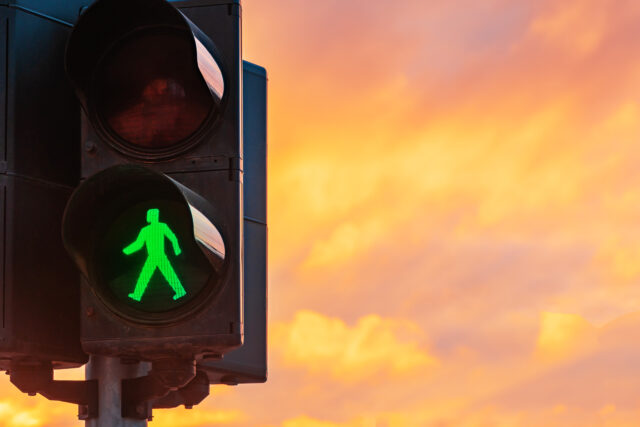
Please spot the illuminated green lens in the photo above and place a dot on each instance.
(152, 237)
(149, 261)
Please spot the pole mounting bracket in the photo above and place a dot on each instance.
(170, 383)
(37, 377)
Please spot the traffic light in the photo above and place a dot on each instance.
(156, 226)
(39, 139)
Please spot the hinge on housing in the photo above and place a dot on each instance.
(235, 169)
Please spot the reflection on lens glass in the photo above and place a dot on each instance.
(148, 91)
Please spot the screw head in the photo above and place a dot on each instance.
(83, 412)
(212, 356)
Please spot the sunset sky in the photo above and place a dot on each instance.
(454, 218)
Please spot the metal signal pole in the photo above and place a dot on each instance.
(110, 371)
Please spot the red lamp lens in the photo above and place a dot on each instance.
(148, 92)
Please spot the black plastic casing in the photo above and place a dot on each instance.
(248, 364)
(39, 139)
(213, 169)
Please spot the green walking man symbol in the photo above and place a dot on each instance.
(153, 236)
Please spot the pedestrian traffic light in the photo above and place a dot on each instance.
(39, 139)
(156, 226)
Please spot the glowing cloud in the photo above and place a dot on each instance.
(564, 335)
(201, 417)
(373, 346)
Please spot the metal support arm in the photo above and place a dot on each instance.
(32, 378)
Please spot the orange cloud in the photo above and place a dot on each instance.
(577, 26)
(371, 347)
(305, 421)
(15, 417)
(564, 335)
(471, 167)
(199, 417)
(19, 410)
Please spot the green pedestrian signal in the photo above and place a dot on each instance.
(153, 237)
(147, 245)
(148, 260)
